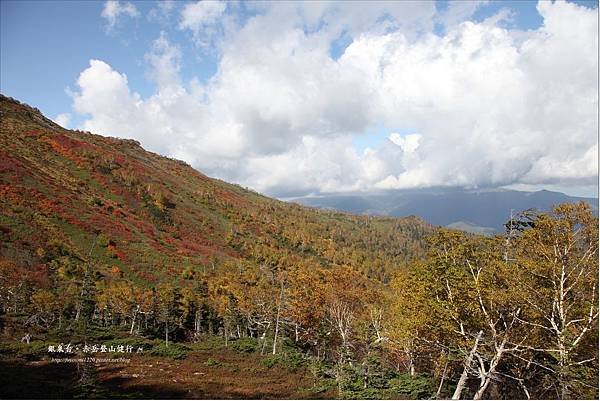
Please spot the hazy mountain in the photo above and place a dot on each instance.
(480, 211)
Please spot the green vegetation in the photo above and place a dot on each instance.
(212, 362)
(175, 351)
(246, 344)
(32, 351)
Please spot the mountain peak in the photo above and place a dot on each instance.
(10, 105)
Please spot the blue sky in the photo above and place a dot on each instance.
(46, 45)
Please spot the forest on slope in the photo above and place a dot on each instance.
(104, 241)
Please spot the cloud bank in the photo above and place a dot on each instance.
(486, 105)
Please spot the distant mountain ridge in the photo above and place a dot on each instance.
(478, 211)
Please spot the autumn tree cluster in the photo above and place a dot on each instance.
(513, 316)
(480, 317)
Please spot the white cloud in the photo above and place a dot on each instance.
(162, 11)
(114, 9)
(202, 18)
(408, 143)
(458, 11)
(63, 119)
(203, 12)
(105, 96)
(409, 17)
(165, 63)
(491, 107)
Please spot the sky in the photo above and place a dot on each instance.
(302, 98)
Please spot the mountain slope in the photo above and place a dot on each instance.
(468, 210)
(71, 196)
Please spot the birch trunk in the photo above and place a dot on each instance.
(467, 365)
(277, 320)
(166, 334)
(133, 319)
(439, 390)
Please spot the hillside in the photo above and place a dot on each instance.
(127, 274)
(157, 217)
(104, 241)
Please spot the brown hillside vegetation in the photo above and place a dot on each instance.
(158, 217)
(203, 374)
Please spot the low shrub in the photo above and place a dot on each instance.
(364, 394)
(212, 362)
(416, 387)
(174, 350)
(208, 342)
(324, 385)
(245, 345)
(290, 360)
(32, 351)
(270, 361)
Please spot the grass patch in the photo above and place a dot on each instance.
(324, 385)
(245, 345)
(416, 387)
(290, 360)
(213, 362)
(174, 350)
(208, 343)
(33, 351)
